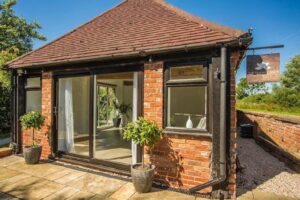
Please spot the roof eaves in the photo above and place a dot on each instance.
(129, 54)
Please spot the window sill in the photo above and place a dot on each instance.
(187, 133)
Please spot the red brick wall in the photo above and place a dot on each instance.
(44, 134)
(282, 131)
(234, 63)
(181, 161)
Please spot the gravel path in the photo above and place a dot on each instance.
(263, 171)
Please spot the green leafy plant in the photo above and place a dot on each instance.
(142, 132)
(32, 120)
(16, 38)
(123, 108)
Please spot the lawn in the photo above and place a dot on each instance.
(268, 109)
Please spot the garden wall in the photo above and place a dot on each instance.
(279, 135)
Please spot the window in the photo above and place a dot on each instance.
(106, 96)
(186, 103)
(33, 94)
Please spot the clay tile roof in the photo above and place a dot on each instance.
(132, 27)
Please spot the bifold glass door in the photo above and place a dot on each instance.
(114, 99)
(116, 105)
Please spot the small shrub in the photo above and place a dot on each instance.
(142, 132)
(32, 120)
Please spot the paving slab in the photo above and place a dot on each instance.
(97, 184)
(81, 195)
(49, 181)
(7, 173)
(125, 192)
(4, 196)
(69, 177)
(19, 185)
(157, 194)
(58, 174)
(62, 194)
(10, 160)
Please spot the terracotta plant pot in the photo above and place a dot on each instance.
(142, 178)
(32, 154)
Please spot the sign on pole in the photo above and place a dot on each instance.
(263, 68)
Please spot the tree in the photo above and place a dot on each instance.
(142, 132)
(244, 89)
(16, 34)
(32, 120)
(16, 38)
(291, 75)
(287, 94)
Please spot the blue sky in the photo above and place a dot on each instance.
(273, 21)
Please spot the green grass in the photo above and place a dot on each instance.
(268, 108)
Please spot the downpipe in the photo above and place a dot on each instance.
(222, 159)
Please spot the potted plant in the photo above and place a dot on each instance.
(123, 110)
(117, 120)
(32, 120)
(142, 132)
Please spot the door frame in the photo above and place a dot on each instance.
(92, 73)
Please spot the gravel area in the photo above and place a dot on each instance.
(262, 171)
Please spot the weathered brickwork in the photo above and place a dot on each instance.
(153, 92)
(282, 131)
(44, 134)
(181, 161)
(234, 63)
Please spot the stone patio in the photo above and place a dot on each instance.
(58, 181)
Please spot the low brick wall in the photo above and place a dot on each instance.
(281, 135)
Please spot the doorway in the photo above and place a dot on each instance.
(92, 111)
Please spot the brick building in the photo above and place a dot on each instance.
(158, 61)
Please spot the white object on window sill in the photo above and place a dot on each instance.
(189, 123)
(202, 123)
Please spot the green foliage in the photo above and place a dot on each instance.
(291, 76)
(142, 132)
(123, 108)
(32, 120)
(4, 110)
(106, 97)
(16, 38)
(286, 97)
(16, 34)
(244, 89)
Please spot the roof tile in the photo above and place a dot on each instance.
(131, 27)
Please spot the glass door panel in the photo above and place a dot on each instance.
(106, 96)
(116, 105)
(73, 115)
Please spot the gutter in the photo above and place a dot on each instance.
(140, 53)
(222, 159)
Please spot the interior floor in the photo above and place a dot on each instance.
(109, 145)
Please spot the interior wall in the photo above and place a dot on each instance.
(124, 93)
(81, 96)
